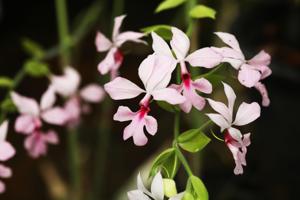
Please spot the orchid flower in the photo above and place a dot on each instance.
(67, 85)
(114, 57)
(204, 57)
(155, 73)
(7, 151)
(235, 141)
(252, 71)
(157, 190)
(30, 120)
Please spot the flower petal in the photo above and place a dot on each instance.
(180, 43)
(230, 96)
(177, 196)
(5, 172)
(219, 120)
(3, 130)
(109, 63)
(25, 105)
(221, 108)
(6, 151)
(262, 58)
(202, 85)
(48, 98)
(27, 124)
(35, 145)
(137, 195)
(129, 36)
(157, 187)
(197, 101)
(121, 88)
(68, 83)
(151, 125)
(230, 40)
(123, 114)
(248, 77)
(169, 95)
(205, 57)
(102, 42)
(2, 187)
(92, 93)
(51, 137)
(160, 47)
(247, 113)
(55, 115)
(118, 22)
(141, 186)
(264, 93)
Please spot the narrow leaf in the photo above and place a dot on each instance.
(36, 69)
(33, 48)
(162, 30)
(193, 140)
(168, 4)
(201, 11)
(5, 82)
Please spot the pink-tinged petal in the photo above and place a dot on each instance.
(102, 43)
(2, 187)
(48, 98)
(35, 145)
(139, 138)
(160, 47)
(237, 158)
(111, 62)
(261, 59)
(27, 124)
(129, 36)
(229, 39)
(157, 187)
(202, 85)
(151, 125)
(146, 68)
(230, 94)
(137, 195)
(51, 137)
(5, 172)
(197, 101)
(124, 114)
(7, 151)
(264, 93)
(219, 120)
(68, 83)
(265, 72)
(169, 95)
(205, 57)
(135, 130)
(235, 63)
(234, 136)
(73, 111)
(92, 93)
(117, 25)
(180, 43)
(179, 88)
(121, 88)
(186, 106)
(246, 139)
(55, 115)
(229, 53)
(3, 130)
(221, 108)
(25, 105)
(248, 77)
(247, 113)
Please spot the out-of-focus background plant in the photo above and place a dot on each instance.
(29, 37)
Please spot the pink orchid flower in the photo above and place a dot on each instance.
(155, 73)
(235, 141)
(30, 120)
(114, 57)
(252, 71)
(204, 57)
(67, 85)
(7, 151)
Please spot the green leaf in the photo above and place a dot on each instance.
(198, 188)
(6, 82)
(162, 30)
(7, 105)
(193, 140)
(32, 48)
(168, 107)
(36, 69)
(168, 4)
(201, 11)
(167, 163)
(188, 196)
(169, 187)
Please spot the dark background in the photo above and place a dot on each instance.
(273, 171)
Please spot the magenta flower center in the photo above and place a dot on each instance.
(118, 56)
(186, 78)
(143, 111)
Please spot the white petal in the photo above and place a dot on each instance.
(169, 95)
(102, 43)
(121, 88)
(230, 40)
(205, 57)
(129, 36)
(48, 98)
(55, 115)
(3, 130)
(146, 68)
(248, 77)
(25, 105)
(92, 93)
(141, 185)
(219, 120)
(180, 43)
(230, 96)
(247, 113)
(157, 187)
(123, 114)
(159, 46)
(221, 108)
(151, 125)
(117, 25)
(137, 195)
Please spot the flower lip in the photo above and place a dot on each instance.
(118, 56)
(186, 78)
(144, 110)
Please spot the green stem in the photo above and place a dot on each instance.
(183, 161)
(189, 21)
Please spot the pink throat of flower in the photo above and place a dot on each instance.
(186, 79)
(143, 111)
(118, 56)
(228, 138)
